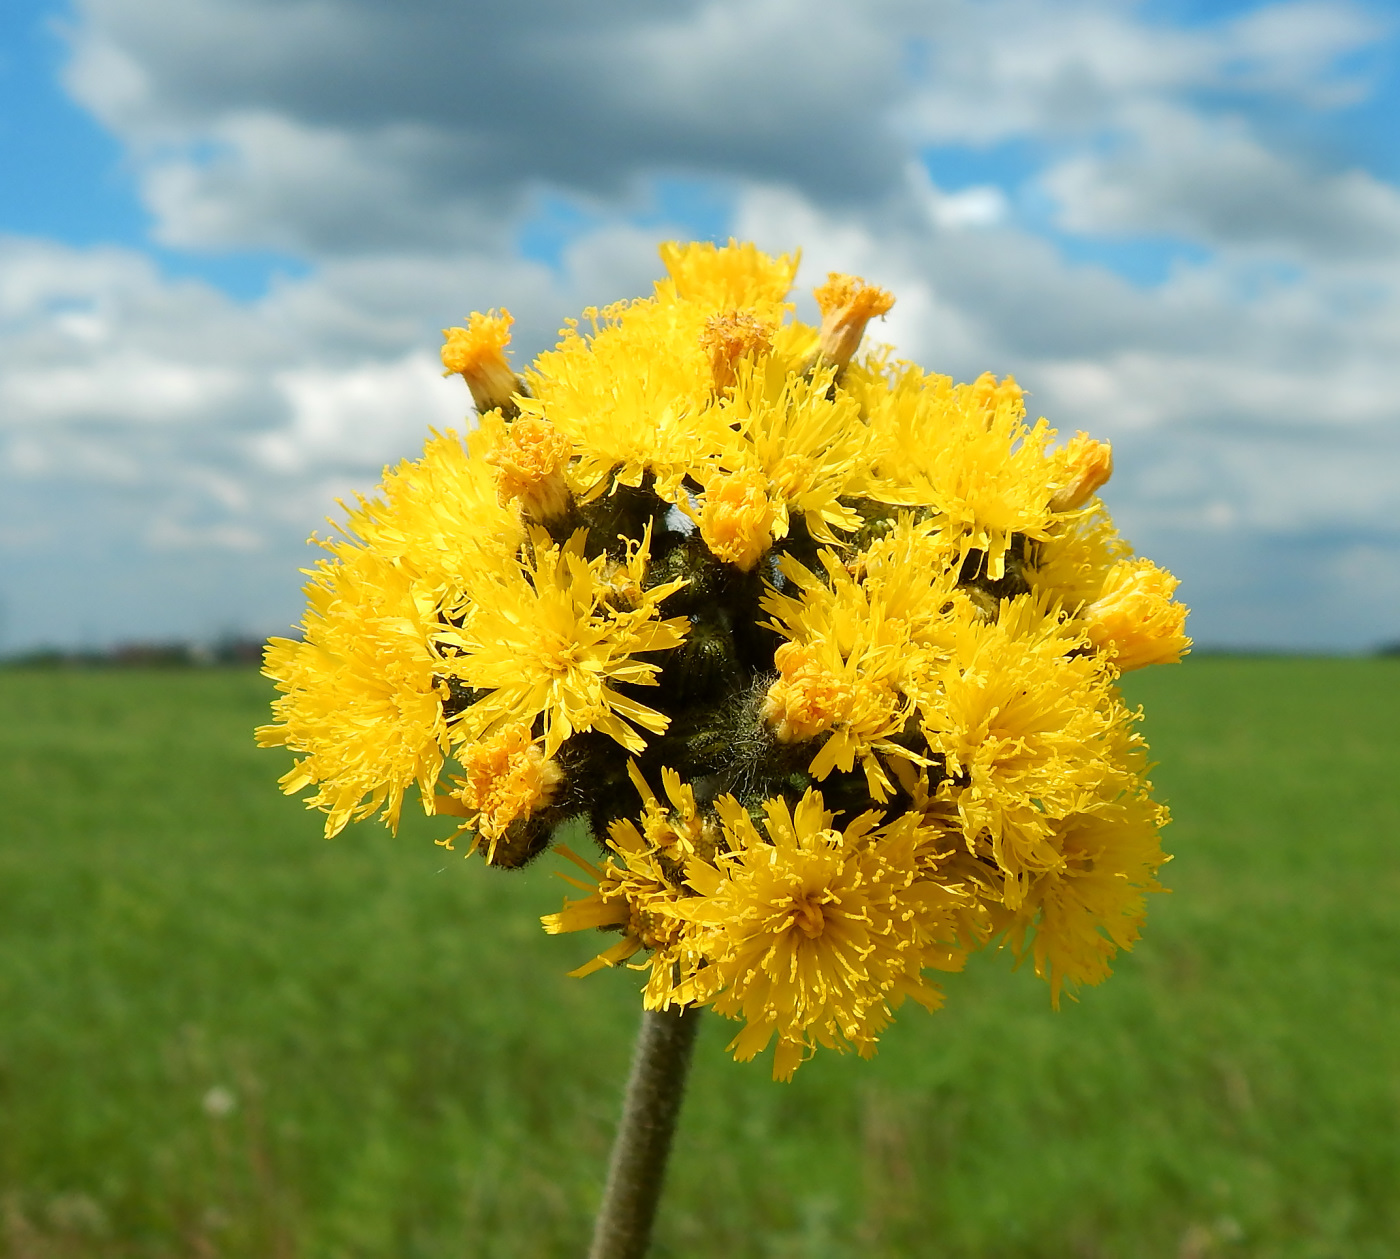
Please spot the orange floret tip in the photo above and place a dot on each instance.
(736, 520)
(807, 698)
(507, 778)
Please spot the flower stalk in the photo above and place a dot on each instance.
(651, 1107)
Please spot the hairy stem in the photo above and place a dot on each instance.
(649, 1113)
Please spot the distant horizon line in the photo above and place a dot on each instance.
(247, 649)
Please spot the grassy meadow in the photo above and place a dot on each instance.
(221, 1035)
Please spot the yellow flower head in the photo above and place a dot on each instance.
(362, 692)
(880, 618)
(632, 397)
(814, 934)
(544, 640)
(1134, 619)
(477, 354)
(987, 397)
(507, 778)
(728, 277)
(847, 304)
(809, 446)
(637, 887)
(807, 699)
(1029, 731)
(851, 700)
(1077, 917)
(732, 336)
(1073, 561)
(854, 665)
(967, 454)
(676, 831)
(440, 519)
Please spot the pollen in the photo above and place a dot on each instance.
(477, 354)
(847, 304)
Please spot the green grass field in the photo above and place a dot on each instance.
(221, 1035)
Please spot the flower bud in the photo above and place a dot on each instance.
(987, 397)
(730, 337)
(1084, 467)
(847, 304)
(508, 779)
(530, 461)
(477, 354)
(736, 521)
(807, 698)
(1134, 620)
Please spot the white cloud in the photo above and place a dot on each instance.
(1293, 48)
(150, 425)
(979, 206)
(1211, 181)
(264, 180)
(117, 388)
(165, 534)
(158, 429)
(258, 124)
(361, 416)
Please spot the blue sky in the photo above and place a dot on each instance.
(68, 178)
(230, 231)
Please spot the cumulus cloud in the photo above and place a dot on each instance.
(1212, 182)
(263, 123)
(174, 445)
(350, 416)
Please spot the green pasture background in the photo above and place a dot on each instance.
(221, 1035)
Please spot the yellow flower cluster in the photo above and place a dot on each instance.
(864, 627)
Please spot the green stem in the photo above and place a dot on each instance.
(649, 1113)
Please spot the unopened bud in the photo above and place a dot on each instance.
(807, 698)
(736, 521)
(847, 304)
(530, 462)
(730, 337)
(477, 354)
(621, 588)
(1134, 620)
(507, 779)
(1084, 468)
(987, 396)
